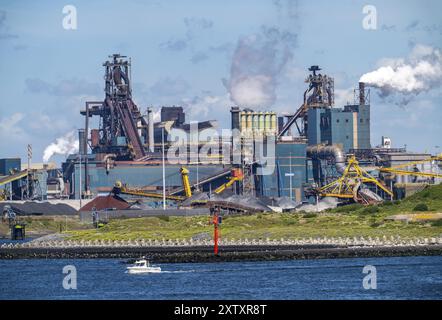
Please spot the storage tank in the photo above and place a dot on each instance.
(261, 121)
(255, 122)
(249, 120)
(267, 121)
(273, 122)
(243, 121)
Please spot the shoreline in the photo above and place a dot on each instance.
(192, 254)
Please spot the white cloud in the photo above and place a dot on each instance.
(10, 126)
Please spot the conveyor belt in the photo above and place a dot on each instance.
(13, 177)
(130, 129)
(203, 181)
(291, 121)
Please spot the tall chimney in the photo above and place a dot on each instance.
(81, 142)
(361, 93)
(150, 130)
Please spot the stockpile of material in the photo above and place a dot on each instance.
(248, 203)
(197, 196)
(110, 202)
(40, 208)
(281, 203)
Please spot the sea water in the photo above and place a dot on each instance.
(394, 278)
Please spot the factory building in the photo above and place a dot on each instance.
(269, 155)
(309, 147)
(285, 173)
(348, 127)
(127, 146)
(289, 174)
(17, 182)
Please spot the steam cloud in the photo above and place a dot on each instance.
(63, 145)
(257, 61)
(420, 72)
(324, 204)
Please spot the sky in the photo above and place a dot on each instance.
(210, 55)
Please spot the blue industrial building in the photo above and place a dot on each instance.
(9, 165)
(289, 171)
(348, 127)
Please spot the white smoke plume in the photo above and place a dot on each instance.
(156, 115)
(257, 62)
(64, 145)
(326, 203)
(421, 71)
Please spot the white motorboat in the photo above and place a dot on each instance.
(143, 266)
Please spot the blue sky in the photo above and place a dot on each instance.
(182, 54)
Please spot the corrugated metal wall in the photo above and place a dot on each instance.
(278, 183)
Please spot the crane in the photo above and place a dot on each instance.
(236, 175)
(186, 184)
(402, 168)
(348, 185)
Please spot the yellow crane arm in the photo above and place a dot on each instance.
(411, 173)
(141, 193)
(224, 186)
(186, 183)
(237, 175)
(379, 184)
(404, 165)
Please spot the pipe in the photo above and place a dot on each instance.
(322, 152)
(107, 161)
(86, 162)
(150, 126)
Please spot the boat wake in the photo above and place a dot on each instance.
(178, 271)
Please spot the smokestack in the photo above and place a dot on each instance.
(361, 93)
(235, 117)
(81, 142)
(150, 129)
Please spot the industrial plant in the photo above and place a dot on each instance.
(269, 162)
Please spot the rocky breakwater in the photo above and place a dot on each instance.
(188, 250)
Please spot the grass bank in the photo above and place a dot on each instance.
(346, 221)
(262, 226)
(41, 225)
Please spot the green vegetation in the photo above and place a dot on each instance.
(41, 225)
(347, 221)
(420, 207)
(310, 215)
(261, 226)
